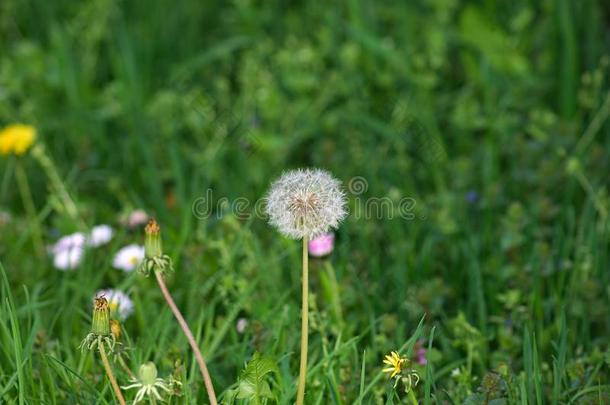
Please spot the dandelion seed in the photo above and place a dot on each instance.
(322, 245)
(16, 139)
(128, 258)
(119, 303)
(100, 235)
(306, 203)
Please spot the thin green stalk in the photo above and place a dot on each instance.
(412, 397)
(115, 385)
(30, 208)
(304, 325)
(39, 153)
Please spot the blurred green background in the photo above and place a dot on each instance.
(491, 115)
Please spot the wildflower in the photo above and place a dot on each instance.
(322, 245)
(154, 259)
(305, 203)
(100, 326)
(115, 329)
(16, 139)
(128, 257)
(160, 264)
(68, 242)
(420, 354)
(119, 303)
(101, 338)
(135, 219)
(472, 196)
(241, 325)
(100, 235)
(399, 369)
(148, 384)
(5, 218)
(395, 362)
(68, 259)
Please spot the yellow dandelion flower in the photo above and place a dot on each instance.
(115, 328)
(16, 139)
(395, 362)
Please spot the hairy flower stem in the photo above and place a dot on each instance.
(111, 377)
(189, 336)
(304, 324)
(30, 209)
(125, 368)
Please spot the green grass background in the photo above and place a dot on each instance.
(490, 115)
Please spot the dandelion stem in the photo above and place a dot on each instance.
(39, 153)
(189, 336)
(304, 325)
(111, 377)
(30, 208)
(125, 368)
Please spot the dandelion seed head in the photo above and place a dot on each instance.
(306, 203)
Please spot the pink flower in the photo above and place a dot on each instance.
(420, 354)
(134, 219)
(322, 245)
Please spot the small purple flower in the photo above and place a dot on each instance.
(472, 196)
(420, 354)
(322, 245)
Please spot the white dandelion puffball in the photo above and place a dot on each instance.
(100, 235)
(120, 304)
(69, 258)
(305, 203)
(128, 258)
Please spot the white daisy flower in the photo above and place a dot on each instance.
(73, 241)
(241, 325)
(120, 304)
(100, 235)
(128, 258)
(68, 258)
(306, 203)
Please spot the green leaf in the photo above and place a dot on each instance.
(253, 384)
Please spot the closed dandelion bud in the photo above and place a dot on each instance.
(154, 259)
(101, 317)
(152, 243)
(101, 333)
(148, 373)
